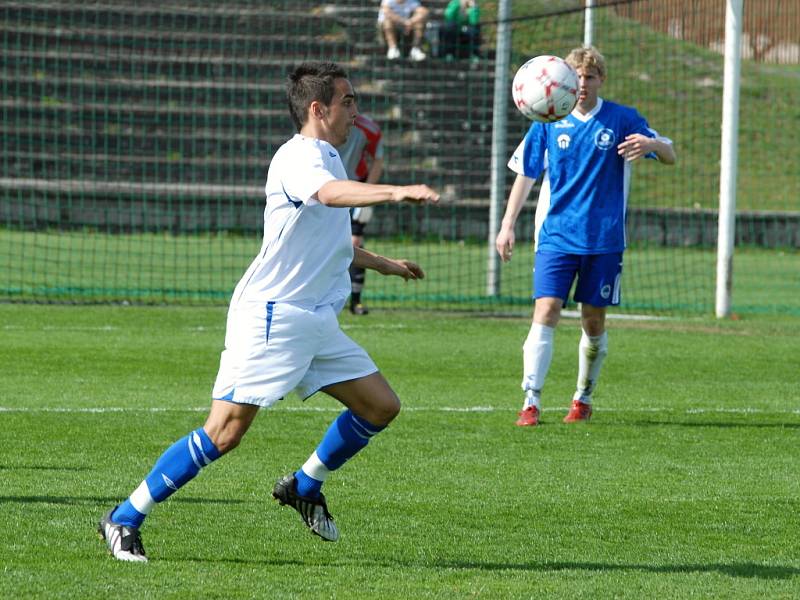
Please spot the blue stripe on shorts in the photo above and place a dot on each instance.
(270, 309)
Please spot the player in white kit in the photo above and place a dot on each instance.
(282, 331)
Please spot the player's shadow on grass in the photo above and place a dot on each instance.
(742, 570)
(101, 500)
(745, 570)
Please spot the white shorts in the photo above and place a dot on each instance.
(274, 348)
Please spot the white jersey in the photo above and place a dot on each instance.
(307, 249)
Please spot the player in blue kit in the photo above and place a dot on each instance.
(585, 160)
(282, 332)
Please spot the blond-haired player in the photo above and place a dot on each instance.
(585, 160)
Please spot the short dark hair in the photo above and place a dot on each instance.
(309, 82)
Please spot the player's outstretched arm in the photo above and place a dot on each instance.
(346, 193)
(504, 243)
(387, 266)
(637, 145)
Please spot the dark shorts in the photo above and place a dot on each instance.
(598, 277)
(356, 227)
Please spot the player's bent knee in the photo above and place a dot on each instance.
(384, 411)
(547, 311)
(228, 422)
(393, 410)
(225, 441)
(593, 326)
(226, 436)
(229, 444)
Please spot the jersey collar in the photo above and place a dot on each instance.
(590, 114)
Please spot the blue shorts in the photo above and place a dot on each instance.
(599, 277)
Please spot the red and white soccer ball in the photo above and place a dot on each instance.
(545, 88)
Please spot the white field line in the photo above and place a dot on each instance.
(576, 314)
(60, 328)
(94, 328)
(570, 314)
(443, 409)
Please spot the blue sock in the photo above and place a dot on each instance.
(307, 486)
(175, 468)
(346, 436)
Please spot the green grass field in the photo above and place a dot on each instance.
(685, 483)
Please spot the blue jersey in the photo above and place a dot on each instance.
(586, 183)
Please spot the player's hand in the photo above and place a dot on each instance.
(505, 244)
(635, 146)
(402, 268)
(415, 194)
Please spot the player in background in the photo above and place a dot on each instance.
(580, 219)
(362, 155)
(282, 331)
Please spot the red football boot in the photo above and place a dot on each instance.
(528, 417)
(580, 411)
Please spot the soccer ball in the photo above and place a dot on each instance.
(545, 89)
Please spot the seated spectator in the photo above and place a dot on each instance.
(461, 30)
(400, 19)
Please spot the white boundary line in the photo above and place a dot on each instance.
(570, 314)
(196, 328)
(576, 314)
(444, 409)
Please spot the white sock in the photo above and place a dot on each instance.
(315, 468)
(537, 353)
(532, 399)
(592, 350)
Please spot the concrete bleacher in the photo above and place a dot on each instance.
(162, 104)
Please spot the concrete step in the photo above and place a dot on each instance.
(166, 17)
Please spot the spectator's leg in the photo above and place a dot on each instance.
(463, 43)
(448, 37)
(418, 21)
(389, 34)
(474, 40)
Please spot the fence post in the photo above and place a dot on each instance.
(499, 128)
(588, 23)
(729, 157)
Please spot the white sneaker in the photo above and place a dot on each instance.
(393, 53)
(417, 55)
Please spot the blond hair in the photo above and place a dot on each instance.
(587, 57)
